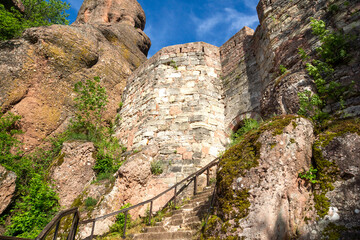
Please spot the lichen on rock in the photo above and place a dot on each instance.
(258, 190)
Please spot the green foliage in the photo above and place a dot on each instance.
(333, 8)
(334, 45)
(37, 13)
(332, 51)
(309, 175)
(11, 24)
(8, 130)
(282, 69)
(310, 104)
(118, 226)
(34, 210)
(173, 64)
(249, 124)
(91, 104)
(89, 125)
(156, 168)
(303, 54)
(90, 202)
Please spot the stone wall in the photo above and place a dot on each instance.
(240, 79)
(188, 98)
(175, 102)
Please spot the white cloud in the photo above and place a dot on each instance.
(251, 3)
(223, 24)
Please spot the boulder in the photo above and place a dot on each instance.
(264, 198)
(343, 200)
(73, 171)
(7, 188)
(134, 184)
(40, 68)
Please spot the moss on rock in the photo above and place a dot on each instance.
(233, 204)
(328, 171)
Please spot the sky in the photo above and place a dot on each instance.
(170, 22)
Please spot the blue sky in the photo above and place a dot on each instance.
(170, 22)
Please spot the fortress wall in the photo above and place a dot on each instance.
(174, 101)
(240, 79)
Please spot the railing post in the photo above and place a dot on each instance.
(124, 231)
(150, 213)
(92, 230)
(56, 230)
(195, 184)
(175, 197)
(208, 177)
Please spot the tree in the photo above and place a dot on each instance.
(36, 13)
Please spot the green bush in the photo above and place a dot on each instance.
(249, 124)
(36, 13)
(282, 69)
(332, 51)
(309, 175)
(8, 131)
(118, 226)
(156, 168)
(90, 202)
(34, 210)
(91, 103)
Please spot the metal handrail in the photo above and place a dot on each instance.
(191, 177)
(55, 222)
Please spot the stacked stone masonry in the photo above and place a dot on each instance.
(175, 101)
(188, 98)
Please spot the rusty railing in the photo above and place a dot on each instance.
(191, 178)
(55, 223)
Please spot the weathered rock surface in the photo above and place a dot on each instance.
(7, 188)
(279, 200)
(134, 184)
(344, 200)
(74, 171)
(112, 11)
(40, 69)
(284, 28)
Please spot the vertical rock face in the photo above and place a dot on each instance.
(344, 152)
(73, 171)
(40, 69)
(285, 27)
(7, 188)
(111, 11)
(274, 202)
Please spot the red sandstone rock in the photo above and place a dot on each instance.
(7, 188)
(74, 171)
(40, 69)
(112, 11)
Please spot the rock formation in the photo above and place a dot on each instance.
(73, 171)
(39, 69)
(7, 188)
(181, 105)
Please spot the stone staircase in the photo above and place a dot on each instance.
(184, 223)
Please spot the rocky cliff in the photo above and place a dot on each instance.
(180, 106)
(40, 68)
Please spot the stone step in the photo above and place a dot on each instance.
(154, 229)
(179, 235)
(202, 198)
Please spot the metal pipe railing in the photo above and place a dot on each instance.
(189, 179)
(56, 221)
